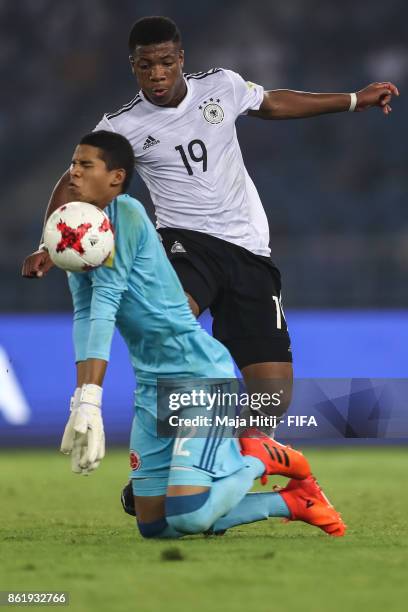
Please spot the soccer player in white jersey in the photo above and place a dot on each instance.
(210, 217)
(214, 229)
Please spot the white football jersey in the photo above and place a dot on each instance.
(190, 159)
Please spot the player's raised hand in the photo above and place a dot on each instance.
(376, 94)
(84, 436)
(37, 264)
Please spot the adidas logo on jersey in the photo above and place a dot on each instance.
(177, 248)
(150, 142)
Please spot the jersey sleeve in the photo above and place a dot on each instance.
(247, 95)
(109, 282)
(104, 124)
(81, 291)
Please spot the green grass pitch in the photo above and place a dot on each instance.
(65, 532)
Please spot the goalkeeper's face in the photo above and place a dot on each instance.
(90, 179)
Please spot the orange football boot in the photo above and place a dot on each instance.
(307, 502)
(277, 458)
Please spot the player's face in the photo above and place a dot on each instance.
(159, 71)
(90, 180)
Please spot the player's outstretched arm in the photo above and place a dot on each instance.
(288, 104)
(84, 436)
(37, 264)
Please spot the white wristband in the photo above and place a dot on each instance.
(91, 394)
(353, 102)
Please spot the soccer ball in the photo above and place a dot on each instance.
(78, 237)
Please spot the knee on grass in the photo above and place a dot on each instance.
(187, 513)
(152, 530)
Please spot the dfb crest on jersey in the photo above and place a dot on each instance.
(212, 111)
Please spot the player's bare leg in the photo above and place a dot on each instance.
(195, 309)
(266, 377)
(175, 490)
(270, 377)
(268, 370)
(149, 509)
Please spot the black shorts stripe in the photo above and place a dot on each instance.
(125, 107)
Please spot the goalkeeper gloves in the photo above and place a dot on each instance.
(84, 437)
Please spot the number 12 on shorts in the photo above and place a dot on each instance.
(279, 311)
(179, 443)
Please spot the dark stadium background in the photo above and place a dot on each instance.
(334, 187)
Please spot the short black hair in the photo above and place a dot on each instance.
(153, 30)
(116, 151)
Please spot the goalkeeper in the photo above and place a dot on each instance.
(180, 486)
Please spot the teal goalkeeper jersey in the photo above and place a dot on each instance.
(138, 290)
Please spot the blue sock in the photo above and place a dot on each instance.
(254, 507)
(197, 513)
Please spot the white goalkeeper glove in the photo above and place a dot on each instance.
(84, 437)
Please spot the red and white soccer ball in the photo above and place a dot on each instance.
(79, 237)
